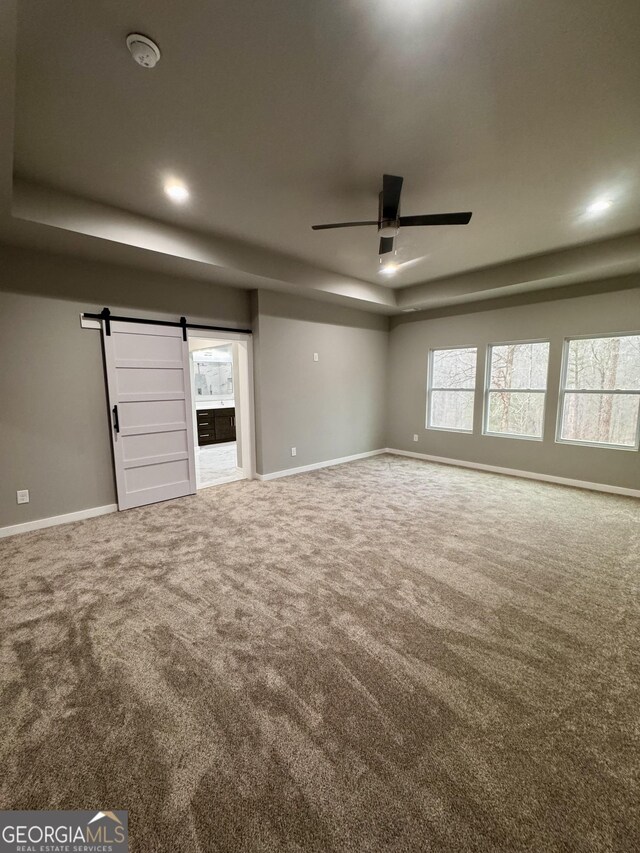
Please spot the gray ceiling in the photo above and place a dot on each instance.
(283, 113)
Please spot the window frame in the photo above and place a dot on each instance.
(488, 389)
(430, 388)
(563, 390)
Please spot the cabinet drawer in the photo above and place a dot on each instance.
(216, 425)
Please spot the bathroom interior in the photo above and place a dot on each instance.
(214, 379)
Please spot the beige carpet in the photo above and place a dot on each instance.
(384, 656)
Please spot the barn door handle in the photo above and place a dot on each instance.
(116, 420)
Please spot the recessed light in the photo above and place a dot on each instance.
(389, 268)
(176, 191)
(600, 205)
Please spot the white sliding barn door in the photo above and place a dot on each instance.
(151, 422)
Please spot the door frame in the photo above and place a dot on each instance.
(244, 400)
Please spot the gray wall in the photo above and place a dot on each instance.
(412, 336)
(327, 409)
(54, 426)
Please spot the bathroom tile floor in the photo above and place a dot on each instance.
(217, 463)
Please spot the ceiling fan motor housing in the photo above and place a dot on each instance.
(388, 228)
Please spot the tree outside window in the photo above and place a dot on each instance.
(516, 389)
(451, 389)
(600, 394)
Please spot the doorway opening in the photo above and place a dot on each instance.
(220, 368)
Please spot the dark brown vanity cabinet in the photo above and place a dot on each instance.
(216, 425)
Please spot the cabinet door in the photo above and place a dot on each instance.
(225, 422)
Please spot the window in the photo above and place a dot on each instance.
(451, 388)
(516, 389)
(600, 391)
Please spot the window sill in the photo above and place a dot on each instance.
(538, 438)
(450, 429)
(598, 444)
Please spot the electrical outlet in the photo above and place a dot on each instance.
(23, 496)
(316, 357)
(293, 451)
(415, 437)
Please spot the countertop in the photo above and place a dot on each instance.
(215, 404)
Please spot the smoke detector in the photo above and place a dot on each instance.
(144, 51)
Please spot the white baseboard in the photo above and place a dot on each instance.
(512, 472)
(53, 520)
(287, 472)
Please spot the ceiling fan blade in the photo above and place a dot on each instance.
(391, 188)
(437, 219)
(386, 245)
(343, 225)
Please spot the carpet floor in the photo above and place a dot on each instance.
(389, 655)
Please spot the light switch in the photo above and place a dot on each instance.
(315, 357)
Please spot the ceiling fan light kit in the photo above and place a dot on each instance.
(389, 221)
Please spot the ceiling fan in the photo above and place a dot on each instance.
(389, 220)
